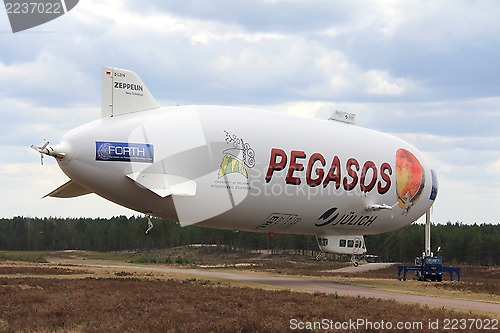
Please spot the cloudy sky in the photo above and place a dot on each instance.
(425, 71)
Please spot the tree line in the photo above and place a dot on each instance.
(459, 243)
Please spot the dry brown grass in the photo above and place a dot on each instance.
(468, 273)
(474, 279)
(45, 298)
(36, 270)
(137, 305)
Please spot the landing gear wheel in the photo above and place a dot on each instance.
(355, 260)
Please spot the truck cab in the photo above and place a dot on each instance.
(430, 268)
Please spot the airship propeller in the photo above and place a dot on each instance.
(42, 150)
(45, 149)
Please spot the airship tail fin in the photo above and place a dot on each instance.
(124, 92)
(69, 190)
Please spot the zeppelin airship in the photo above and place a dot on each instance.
(243, 168)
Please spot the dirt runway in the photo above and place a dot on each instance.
(306, 284)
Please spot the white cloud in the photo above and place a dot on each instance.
(380, 83)
(466, 202)
(494, 168)
(421, 70)
(25, 122)
(22, 186)
(48, 76)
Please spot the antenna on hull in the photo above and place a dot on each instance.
(343, 117)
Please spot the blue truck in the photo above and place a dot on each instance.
(428, 268)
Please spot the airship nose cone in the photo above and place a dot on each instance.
(434, 188)
(62, 153)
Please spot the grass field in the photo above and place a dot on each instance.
(130, 304)
(39, 297)
(474, 279)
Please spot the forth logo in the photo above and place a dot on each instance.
(26, 14)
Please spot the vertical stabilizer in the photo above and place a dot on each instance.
(123, 92)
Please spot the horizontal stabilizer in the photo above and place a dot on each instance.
(165, 184)
(68, 190)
